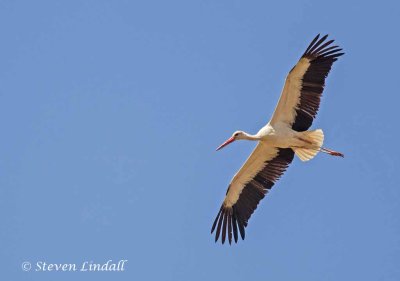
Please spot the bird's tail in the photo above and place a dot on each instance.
(313, 141)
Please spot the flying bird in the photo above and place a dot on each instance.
(285, 135)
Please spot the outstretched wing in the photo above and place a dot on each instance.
(262, 169)
(301, 95)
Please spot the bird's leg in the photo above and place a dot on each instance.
(322, 149)
(331, 152)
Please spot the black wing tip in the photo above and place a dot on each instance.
(320, 48)
(226, 225)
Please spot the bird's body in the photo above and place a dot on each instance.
(279, 135)
(285, 135)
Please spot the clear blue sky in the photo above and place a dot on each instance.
(110, 112)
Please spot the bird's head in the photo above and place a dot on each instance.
(238, 135)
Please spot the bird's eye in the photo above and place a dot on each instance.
(236, 134)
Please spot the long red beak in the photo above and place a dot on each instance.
(232, 139)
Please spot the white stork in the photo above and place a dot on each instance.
(285, 135)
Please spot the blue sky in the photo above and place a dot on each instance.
(110, 112)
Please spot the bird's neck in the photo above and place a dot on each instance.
(251, 137)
